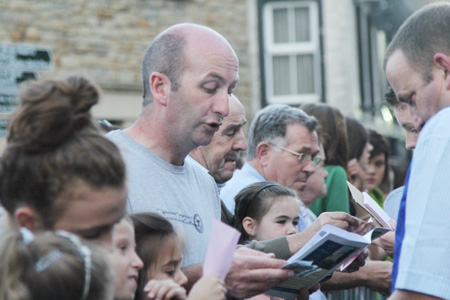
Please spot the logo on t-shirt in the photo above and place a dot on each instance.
(196, 220)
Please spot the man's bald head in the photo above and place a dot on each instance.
(166, 54)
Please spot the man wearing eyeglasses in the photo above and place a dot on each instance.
(282, 147)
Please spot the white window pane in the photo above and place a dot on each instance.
(305, 74)
(280, 26)
(281, 81)
(302, 30)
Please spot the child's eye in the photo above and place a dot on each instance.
(282, 222)
(171, 273)
(295, 223)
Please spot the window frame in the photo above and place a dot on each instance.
(271, 49)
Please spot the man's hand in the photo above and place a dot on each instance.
(254, 272)
(378, 276)
(359, 262)
(337, 218)
(342, 220)
(387, 240)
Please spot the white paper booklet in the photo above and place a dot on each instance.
(325, 252)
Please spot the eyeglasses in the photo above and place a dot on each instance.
(303, 158)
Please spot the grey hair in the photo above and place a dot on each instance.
(164, 55)
(270, 125)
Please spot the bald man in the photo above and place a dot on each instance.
(189, 72)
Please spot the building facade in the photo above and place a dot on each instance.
(290, 51)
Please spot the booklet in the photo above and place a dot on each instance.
(366, 202)
(325, 252)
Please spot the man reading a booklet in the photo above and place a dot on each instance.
(417, 65)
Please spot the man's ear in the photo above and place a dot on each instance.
(263, 153)
(160, 86)
(26, 216)
(249, 226)
(443, 61)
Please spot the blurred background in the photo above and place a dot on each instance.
(290, 51)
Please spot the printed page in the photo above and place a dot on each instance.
(324, 253)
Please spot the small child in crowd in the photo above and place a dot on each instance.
(127, 263)
(52, 266)
(266, 210)
(160, 248)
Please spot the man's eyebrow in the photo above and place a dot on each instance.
(233, 126)
(406, 98)
(216, 76)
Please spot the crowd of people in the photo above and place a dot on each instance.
(128, 215)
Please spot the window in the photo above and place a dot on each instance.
(291, 52)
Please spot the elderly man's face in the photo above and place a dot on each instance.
(284, 167)
(197, 108)
(422, 97)
(220, 156)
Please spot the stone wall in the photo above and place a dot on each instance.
(105, 40)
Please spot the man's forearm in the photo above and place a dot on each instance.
(342, 281)
(298, 240)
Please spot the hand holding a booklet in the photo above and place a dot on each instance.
(387, 241)
(326, 251)
(341, 220)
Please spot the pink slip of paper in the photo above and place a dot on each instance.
(222, 245)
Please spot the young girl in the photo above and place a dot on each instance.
(127, 263)
(160, 248)
(267, 210)
(52, 266)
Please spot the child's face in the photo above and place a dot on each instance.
(281, 219)
(127, 263)
(167, 265)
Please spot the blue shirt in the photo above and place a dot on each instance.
(241, 178)
(422, 250)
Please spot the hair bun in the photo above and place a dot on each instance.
(51, 112)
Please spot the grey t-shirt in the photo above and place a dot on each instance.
(186, 195)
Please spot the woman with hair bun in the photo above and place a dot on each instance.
(58, 171)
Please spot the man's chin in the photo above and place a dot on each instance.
(226, 173)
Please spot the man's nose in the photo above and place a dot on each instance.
(240, 143)
(221, 104)
(309, 167)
